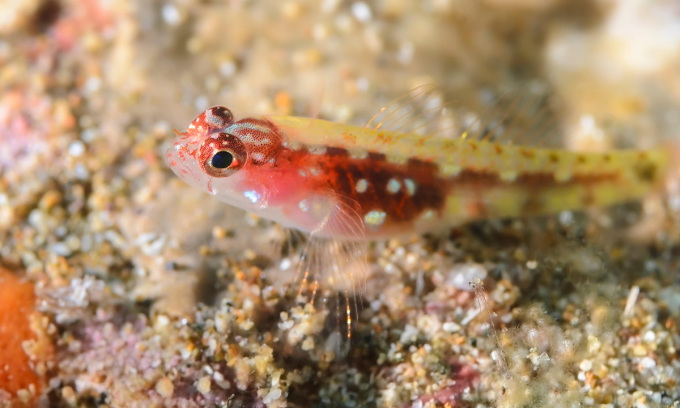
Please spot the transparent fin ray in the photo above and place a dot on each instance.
(523, 114)
(417, 111)
(330, 266)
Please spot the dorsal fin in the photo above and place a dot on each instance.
(526, 115)
(520, 115)
(417, 111)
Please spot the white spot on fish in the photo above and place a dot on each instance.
(247, 138)
(375, 218)
(359, 154)
(257, 156)
(563, 175)
(509, 175)
(393, 186)
(396, 159)
(292, 145)
(361, 186)
(252, 195)
(212, 116)
(316, 149)
(315, 171)
(303, 205)
(302, 173)
(410, 186)
(250, 139)
(449, 170)
(427, 215)
(254, 127)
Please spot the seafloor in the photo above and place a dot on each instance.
(135, 290)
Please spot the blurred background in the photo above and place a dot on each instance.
(121, 286)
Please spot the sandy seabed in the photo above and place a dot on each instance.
(147, 292)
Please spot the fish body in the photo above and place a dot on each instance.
(345, 184)
(350, 182)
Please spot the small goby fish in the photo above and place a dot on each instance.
(355, 183)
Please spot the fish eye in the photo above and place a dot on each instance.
(222, 159)
(222, 155)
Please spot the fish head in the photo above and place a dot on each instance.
(223, 157)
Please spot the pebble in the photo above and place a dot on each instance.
(165, 387)
(76, 148)
(639, 350)
(203, 385)
(170, 14)
(585, 365)
(647, 363)
(361, 11)
(451, 327)
(69, 395)
(272, 395)
(649, 337)
(60, 249)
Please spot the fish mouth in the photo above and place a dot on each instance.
(178, 159)
(172, 158)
